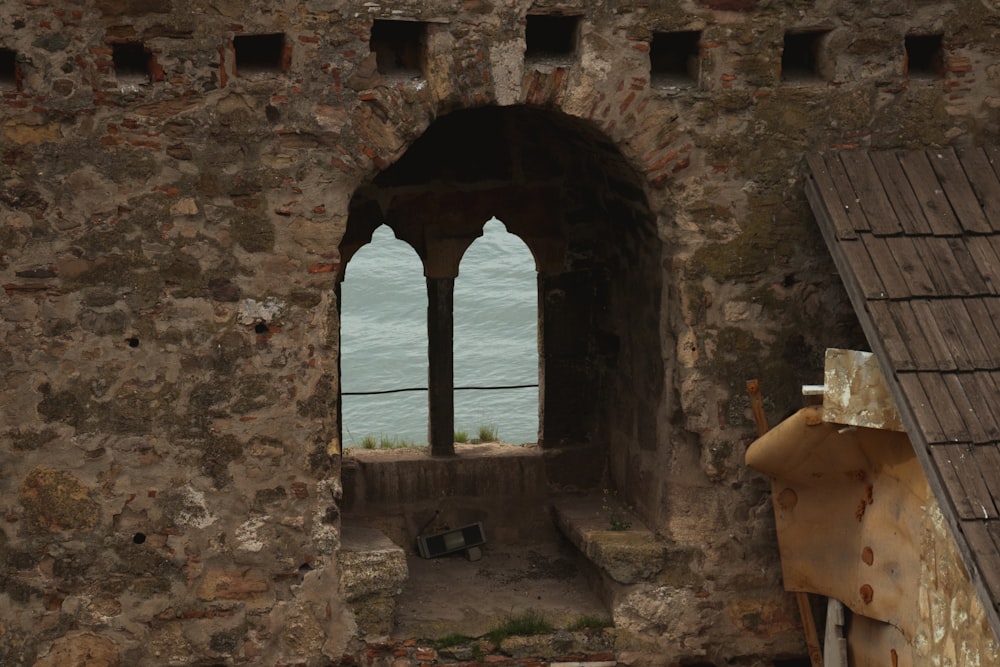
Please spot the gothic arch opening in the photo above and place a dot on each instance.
(563, 188)
(566, 191)
(383, 345)
(496, 340)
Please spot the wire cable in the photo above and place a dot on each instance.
(397, 391)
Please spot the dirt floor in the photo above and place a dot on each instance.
(454, 595)
(526, 563)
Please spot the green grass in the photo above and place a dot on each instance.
(488, 433)
(530, 622)
(591, 622)
(461, 436)
(385, 442)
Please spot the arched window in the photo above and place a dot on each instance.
(383, 343)
(496, 338)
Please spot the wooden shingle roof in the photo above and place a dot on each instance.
(916, 238)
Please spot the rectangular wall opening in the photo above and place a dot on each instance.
(802, 56)
(261, 53)
(924, 56)
(548, 36)
(8, 68)
(133, 62)
(399, 47)
(674, 58)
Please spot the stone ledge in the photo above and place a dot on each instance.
(370, 562)
(629, 556)
(372, 573)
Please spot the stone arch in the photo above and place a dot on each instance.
(566, 190)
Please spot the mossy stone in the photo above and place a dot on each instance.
(57, 500)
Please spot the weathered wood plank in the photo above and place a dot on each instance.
(882, 219)
(990, 269)
(935, 339)
(896, 284)
(948, 416)
(912, 333)
(983, 323)
(920, 406)
(969, 466)
(985, 397)
(897, 188)
(993, 157)
(864, 269)
(827, 191)
(988, 326)
(955, 384)
(959, 192)
(918, 274)
(941, 264)
(994, 241)
(966, 264)
(986, 261)
(930, 194)
(944, 457)
(945, 312)
(896, 347)
(954, 312)
(988, 461)
(982, 544)
(989, 390)
(848, 197)
(984, 182)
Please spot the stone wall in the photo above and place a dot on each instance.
(172, 200)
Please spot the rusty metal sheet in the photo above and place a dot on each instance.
(848, 504)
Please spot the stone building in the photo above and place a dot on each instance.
(183, 183)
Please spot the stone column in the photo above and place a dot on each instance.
(441, 372)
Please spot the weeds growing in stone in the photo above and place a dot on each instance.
(530, 622)
(617, 517)
(385, 442)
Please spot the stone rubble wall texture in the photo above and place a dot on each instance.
(168, 254)
(955, 630)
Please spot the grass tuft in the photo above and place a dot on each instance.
(385, 442)
(461, 436)
(530, 622)
(488, 433)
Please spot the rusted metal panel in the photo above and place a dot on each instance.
(856, 392)
(848, 503)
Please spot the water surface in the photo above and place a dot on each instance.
(384, 339)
